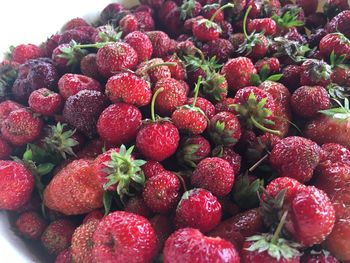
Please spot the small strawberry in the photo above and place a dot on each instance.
(192, 150)
(154, 70)
(165, 9)
(209, 10)
(307, 101)
(5, 149)
(134, 239)
(152, 168)
(271, 65)
(266, 25)
(105, 33)
(224, 105)
(318, 256)
(45, 102)
(221, 48)
(162, 192)
(160, 42)
(295, 157)
(57, 236)
(88, 66)
(229, 155)
(178, 71)
(335, 153)
(128, 24)
(205, 105)
(157, 139)
(214, 174)
(22, 53)
(137, 205)
(337, 43)
(338, 241)
(66, 57)
(198, 208)
(64, 192)
(145, 20)
(79, 36)
(144, 51)
(30, 225)
(50, 44)
(291, 76)
(188, 244)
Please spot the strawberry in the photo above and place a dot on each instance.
(315, 73)
(5, 149)
(178, 71)
(30, 225)
(152, 168)
(166, 9)
(64, 192)
(172, 96)
(82, 243)
(110, 12)
(190, 245)
(224, 105)
(71, 84)
(335, 153)
(134, 239)
(129, 88)
(65, 256)
(209, 10)
(160, 42)
(83, 109)
(66, 57)
(153, 70)
(21, 127)
(137, 205)
(205, 105)
(145, 20)
(339, 23)
(337, 43)
(93, 215)
(198, 208)
(272, 65)
(157, 139)
(74, 23)
(128, 24)
(215, 87)
(145, 51)
(45, 102)
(115, 57)
(291, 76)
(221, 48)
(214, 174)
(50, 44)
(333, 7)
(79, 36)
(237, 72)
(225, 129)
(338, 241)
(229, 155)
(315, 256)
(163, 227)
(192, 150)
(57, 236)
(24, 52)
(295, 157)
(266, 25)
(307, 101)
(88, 66)
(162, 192)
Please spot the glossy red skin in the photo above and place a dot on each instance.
(291, 186)
(295, 157)
(340, 23)
(129, 88)
(237, 72)
(155, 74)
(21, 127)
(70, 84)
(214, 174)
(97, 214)
(320, 257)
(115, 57)
(307, 101)
(205, 105)
(338, 242)
(141, 43)
(335, 153)
(224, 105)
(221, 48)
(160, 42)
(324, 129)
(128, 24)
(6, 107)
(280, 94)
(189, 245)
(178, 71)
(189, 120)
(74, 190)
(263, 257)
(152, 168)
(170, 98)
(273, 65)
(137, 205)
(333, 42)
(88, 66)
(162, 192)
(260, 49)
(57, 236)
(24, 52)
(198, 208)
(266, 25)
(204, 33)
(5, 149)
(134, 239)
(64, 256)
(157, 141)
(145, 20)
(237, 228)
(233, 158)
(45, 101)
(30, 225)
(341, 76)
(163, 227)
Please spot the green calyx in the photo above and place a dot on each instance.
(194, 63)
(109, 34)
(212, 87)
(319, 70)
(187, 155)
(288, 19)
(340, 113)
(124, 171)
(8, 54)
(60, 141)
(337, 92)
(8, 75)
(338, 61)
(221, 135)
(257, 79)
(186, 9)
(271, 208)
(292, 49)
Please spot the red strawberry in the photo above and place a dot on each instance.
(153, 70)
(214, 174)
(160, 42)
(272, 65)
(64, 192)
(307, 101)
(166, 9)
(291, 76)
(116, 57)
(321, 256)
(224, 105)
(215, 86)
(93, 215)
(163, 227)
(82, 243)
(237, 72)
(88, 66)
(162, 192)
(64, 256)
(45, 101)
(335, 153)
(110, 12)
(238, 227)
(24, 52)
(5, 149)
(192, 150)
(128, 24)
(74, 23)
(198, 208)
(50, 44)
(137, 205)
(178, 71)
(338, 242)
(209, 10)
(337, 43)
(295, 157)
(225, 129)
(141, 43)
(309, 6)
(152, 168)
(57, 236)
(205, 105)
(145, 20)
(66, 58)
(221, 48)
(266, 25)
(190, 245)
(206, 30)
(30, 225)
(21, 127)
(79, 36)
(340, 23)
(134, 239)
(128, 87)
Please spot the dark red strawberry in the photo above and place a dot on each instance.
(339, 240)
(30, 225)
(134, 237)
(45, 101)
(206, 106)
(337, 43)
(163, 226)
(335, 153)
(111, 12)
(129, 88)
(141, 43)
(5, 149)
(309, 6)
(198, 208)
(160, 42)
(318, 256)
(67, 58)
(152, 168)
(295, 157)
(128, 24)
(334, 7)
(88, 66)
(50, 44)
(22, 53)
(79, 36)
(145, 20)
(154, 70)
(224, 105)
(166, 9)
(162, 192)
(340, 23)
(221, 48)
(291, 76)
(315, 73)
(307, 101)
(74, 23)
(209, 10)
(192, 150)
(137, 205)
(178, 71)
(188, 244)
(229, 155)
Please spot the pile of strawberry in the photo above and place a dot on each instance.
(183, 131)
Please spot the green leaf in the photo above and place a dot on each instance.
(45, 168)
(28, 154)
(107, 201)
(255, 79)
(275, 77)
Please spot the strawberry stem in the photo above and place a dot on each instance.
(245, 21)
(169, 64)
(251, 169)
(219, 10)
(182, 181)
(96, 45)
(153, 103)
(279, 228)
(196, 91)
(263, 128)
(200, 53)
